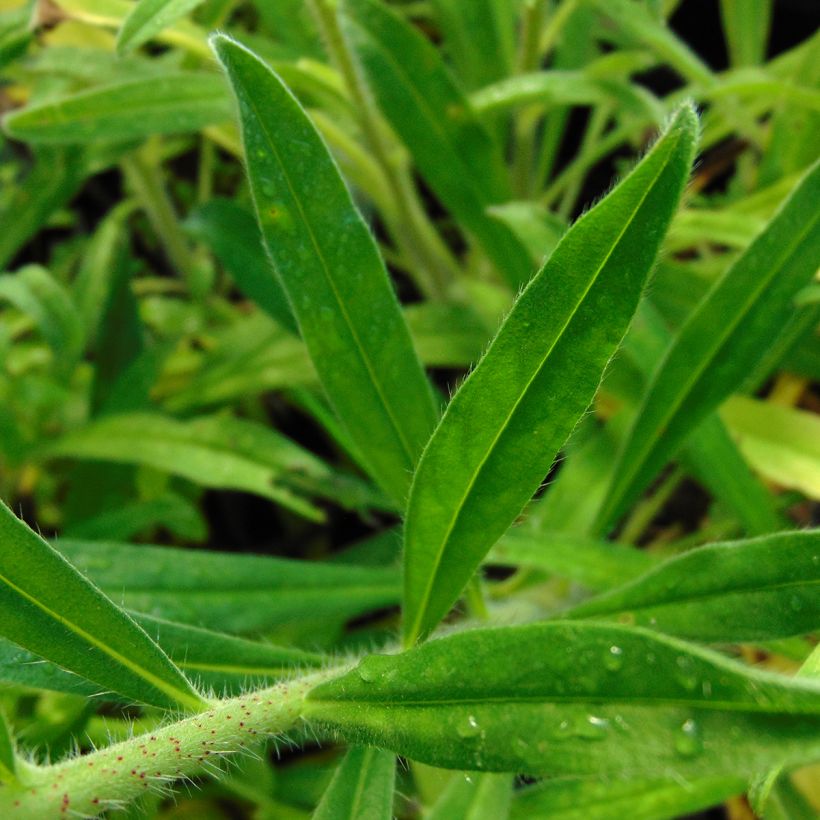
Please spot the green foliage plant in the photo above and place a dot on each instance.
(516, 438)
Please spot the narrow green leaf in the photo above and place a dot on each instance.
(19, 667)
(8, 762)
(475, 797)
(754, 590)
(781, 443)
(432, 116)
(53, 180)
(503, 428)
(720, 343)
(224, 662)
(330, 268)
(47, 607)
(572, 699)
(590, 799)
(361, 789)
(598, 565)
(480, 38)
(746, 24)
(231, 592)
(234, 235)
(175, 103)
(148, 18)
(34, 291)
(217, 451)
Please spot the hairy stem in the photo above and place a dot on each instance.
(109, 778)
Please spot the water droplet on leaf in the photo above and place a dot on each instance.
(614, 658)
(468, 727)
(689, 742)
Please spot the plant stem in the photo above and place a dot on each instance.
(647, 509)
(434, 267)
(145, 179)
(110, 778)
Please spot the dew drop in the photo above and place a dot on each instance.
(592, 728)
(468, 728)
(564, 729)
(614, 658)
(686, 674)
(689, 742)
(796, 603)
(268, 189)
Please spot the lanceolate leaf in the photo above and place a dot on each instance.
(432, 116)
(571, 699)
(505, 425)
(362, 787)
(171, 104)
(755, 590)
(232, 592)
(720, 343)
(47, 607)
(330, 269)
(224, 661)
(591, 799)
(148, 18)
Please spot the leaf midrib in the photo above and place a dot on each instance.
(474, 478)
(184, 698)
(408, 450)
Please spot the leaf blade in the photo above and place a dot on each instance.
(331, 271)
(503, 408)
(42, 596)
(702, 365)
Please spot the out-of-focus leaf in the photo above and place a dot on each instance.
(231, 592)
(572, 699)
(234, 235)
(361, 789)
(148, 18)
(172, 104)
(47, 607)
(475, 797)
(720, 342)
(505, 425)
(755, 590)
(589, 799)
(781, 443)
(330, 268)
(8, 763)
(429, 112)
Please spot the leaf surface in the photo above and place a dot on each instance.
(47, 607)
(720, 343)
(755, 590)
(231, 592)
(330, 268)
(451, 148)
(503, 428)
(573, 699)
(361, 788)
(175, 103)
(149, 17)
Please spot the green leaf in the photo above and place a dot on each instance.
(232, 592)
(573, 699)
(480, 38)
(47, 607)
(330, 268)
(720, 343)
(588, 799)
(233, 234)
(52, 182)
(19, 667)
(595, 564)
(175, 103)
(34, 291)
(361, 789)
(8, 762)
(746, 24)
(224, 662)
(451, 148)
(503, 428)
(475, 797)
(216, 451)
(755, 590)
(148, 18)
(781, 443)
